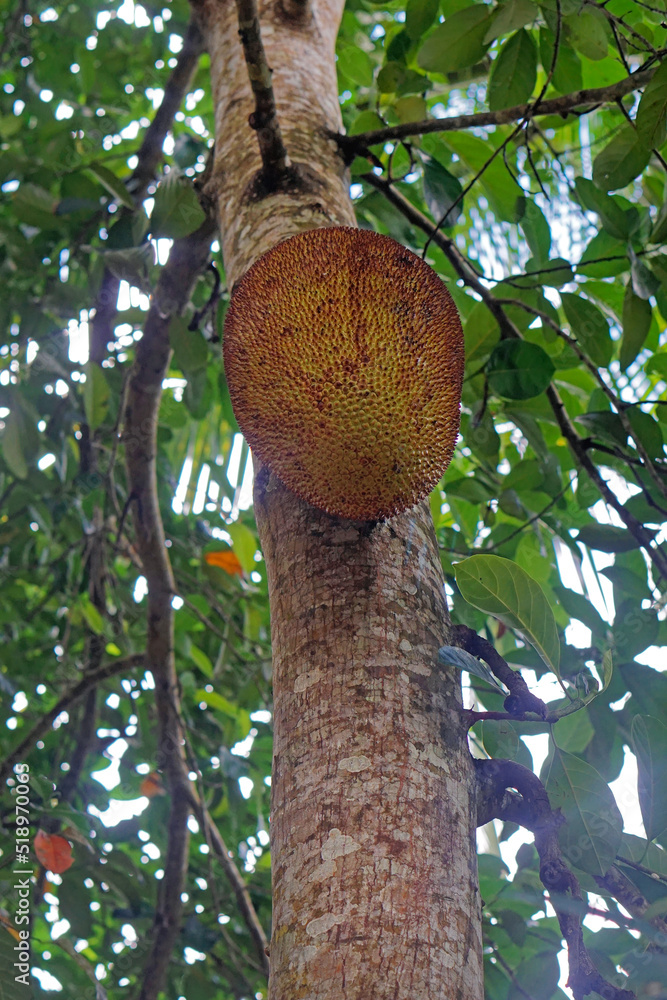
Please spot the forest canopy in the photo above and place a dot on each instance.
(521, 149)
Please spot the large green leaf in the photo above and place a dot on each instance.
(96, 395)
(113, 184)
(511, 15)
(592, 834)
(441, 192)
(649, 742)
(514, 72)
(588, 33)
(637, 315)
(497, 183)
(177, 211)
(621, 160)
(190, 349)
(457, 43)
(589, 327)
(607, 538)
(518, 369)
(420, 15)
(615, 220)
(500, 588)
(537, 232)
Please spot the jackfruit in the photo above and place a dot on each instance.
(344, 357)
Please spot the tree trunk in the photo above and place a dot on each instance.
(372, 822)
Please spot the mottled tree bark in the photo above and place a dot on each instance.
(372, 822)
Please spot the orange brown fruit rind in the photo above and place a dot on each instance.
(344, 357)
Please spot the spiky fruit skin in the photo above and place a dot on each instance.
(344, 358)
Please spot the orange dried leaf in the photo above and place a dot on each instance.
(6, 922)
(226, 560)
(152, 785)
(54, 852)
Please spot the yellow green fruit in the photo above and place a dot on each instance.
(344, 357)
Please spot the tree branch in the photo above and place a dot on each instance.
(150, 152)
(149, 156)
(531, 808)
(520, 698)
(187, 259)
(590, 98)
(264, 119)
(64, 703)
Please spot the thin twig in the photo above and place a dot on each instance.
(354, 145)
(264, 119)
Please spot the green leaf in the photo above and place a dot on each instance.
(500, 588)
(36, 207)
(131, 265)
(659, 231)
(578, 607)
(441, 191)
(177, 211)
(592, 834)
(621, 160)
(604, 257)
(567, 76)
(514, 72)
(588, 33)
(644, 282)
(607, 538)
(244, 543)
(637, 315)
(497, 183)
(651, 120)
(201, 659)
(615, 220)
(224, 705)
(390, 77)
(20, 438)
(189, 347)
(457, 43)
(589, 327)
(453, 656)
(367, 121)
(96, 395)
(518, 369)
(356, 65)
(536, 230)
(511, 15)
(649, 742)
(420, 15)
(113, 184)
(92, 615)
(502, 741)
